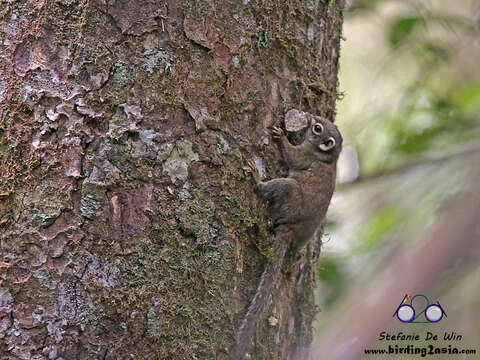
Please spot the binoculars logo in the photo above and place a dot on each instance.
(406, 312)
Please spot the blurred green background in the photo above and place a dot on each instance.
(410, 116)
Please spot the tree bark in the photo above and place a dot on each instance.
(129, 228)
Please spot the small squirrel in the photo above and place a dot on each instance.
(298, 204)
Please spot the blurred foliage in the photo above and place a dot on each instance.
(360, 5)
(436, 106)
(331, 272)
(401, 27)
(410, 74)
(378, 227)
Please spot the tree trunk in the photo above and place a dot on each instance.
(129, 228)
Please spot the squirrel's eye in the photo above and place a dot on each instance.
(317, 129)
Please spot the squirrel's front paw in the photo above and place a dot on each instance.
(277, 133)
(253, 170)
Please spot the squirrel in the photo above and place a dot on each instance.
(297, 204)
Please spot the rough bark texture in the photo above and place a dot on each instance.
(129, 229)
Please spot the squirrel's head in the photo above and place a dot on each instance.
(325, 137)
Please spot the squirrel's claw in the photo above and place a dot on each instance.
(277, 132)
(253, 170)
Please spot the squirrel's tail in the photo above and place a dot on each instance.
(260, 300)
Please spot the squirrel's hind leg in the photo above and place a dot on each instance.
(278, 190)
